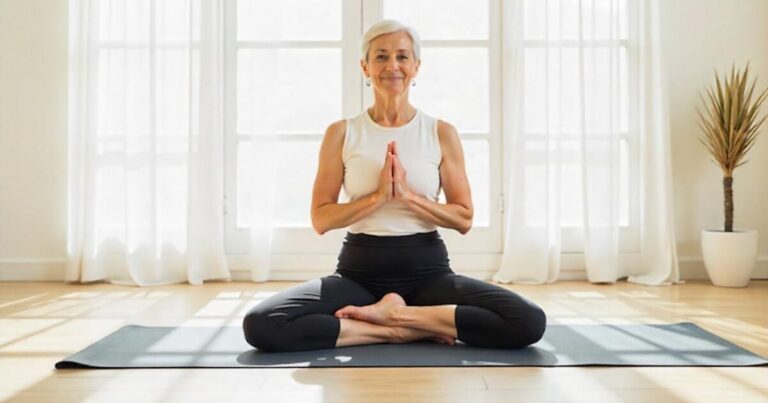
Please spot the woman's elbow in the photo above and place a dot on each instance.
(465, 227)
(466, 222)
(318, 226)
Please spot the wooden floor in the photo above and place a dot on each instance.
(40, 323)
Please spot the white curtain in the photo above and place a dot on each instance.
(568, 68)
(146, 142)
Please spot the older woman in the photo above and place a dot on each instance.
(393, 283)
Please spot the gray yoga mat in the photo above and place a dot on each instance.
(681, 344)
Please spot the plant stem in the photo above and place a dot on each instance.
(728, 190)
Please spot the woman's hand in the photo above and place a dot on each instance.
(400, 185)
(386, 180)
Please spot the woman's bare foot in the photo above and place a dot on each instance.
(443, 340)
(408, 335)
(380, 313)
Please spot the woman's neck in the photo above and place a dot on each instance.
(391, 112)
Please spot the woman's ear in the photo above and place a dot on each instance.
(364, 67)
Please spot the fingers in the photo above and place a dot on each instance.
(392, 147)
(389, 163)
(396, 165)
(393, 162)
(388, 159)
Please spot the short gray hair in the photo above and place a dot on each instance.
(384, 27)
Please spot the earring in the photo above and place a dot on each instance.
(367, 83)
(413, 83)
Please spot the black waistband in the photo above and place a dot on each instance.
(422, 238)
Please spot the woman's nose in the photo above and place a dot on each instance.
(393, 65)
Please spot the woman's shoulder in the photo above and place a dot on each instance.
(336, 128)
(450, 142)
(339, 127)
(446, 132)
(335, 133)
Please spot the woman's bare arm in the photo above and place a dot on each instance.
(327, 213)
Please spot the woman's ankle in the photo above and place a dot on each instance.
(353, 332)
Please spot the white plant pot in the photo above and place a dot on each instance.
(729, 257)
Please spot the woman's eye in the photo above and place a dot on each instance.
(403, 57)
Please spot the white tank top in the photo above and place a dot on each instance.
(364, 153)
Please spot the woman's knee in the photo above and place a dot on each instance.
(526, 329)
(261, 332)
(536, 324)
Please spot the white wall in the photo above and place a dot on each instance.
(33, 129)
(699, 36)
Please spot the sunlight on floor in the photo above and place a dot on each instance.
(73, 334)
(39, 328)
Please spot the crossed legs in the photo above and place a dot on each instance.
(337, 312)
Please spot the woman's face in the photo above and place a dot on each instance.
(391, 63)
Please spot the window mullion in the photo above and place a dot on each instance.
(352, 92)
(235, 242)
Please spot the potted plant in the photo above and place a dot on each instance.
(730, 127)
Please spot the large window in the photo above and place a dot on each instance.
(552, 43)
(293, 68)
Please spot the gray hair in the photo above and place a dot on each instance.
(384, 27)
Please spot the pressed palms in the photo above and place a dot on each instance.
(730, 127)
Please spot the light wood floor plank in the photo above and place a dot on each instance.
(40, 323)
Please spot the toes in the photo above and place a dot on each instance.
(345, 312)
(444, 340)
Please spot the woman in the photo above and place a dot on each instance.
(393, 283)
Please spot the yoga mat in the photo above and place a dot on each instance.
(681, 344)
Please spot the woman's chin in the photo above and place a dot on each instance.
(393, 91)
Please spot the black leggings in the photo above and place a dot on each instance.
(414, 266)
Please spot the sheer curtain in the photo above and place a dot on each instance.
(146, 142)
(573, 126)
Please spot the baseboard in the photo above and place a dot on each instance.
(32, 269)
(305, 267)
(692, 268)
(285, 267)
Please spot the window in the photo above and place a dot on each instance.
(143, 67)
(551, 69)
(276, 51)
